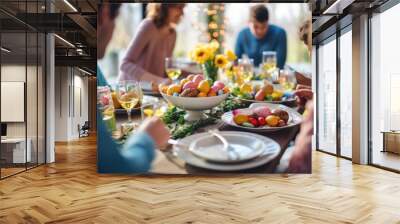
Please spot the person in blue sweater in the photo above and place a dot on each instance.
(261, 36)
(137, 154)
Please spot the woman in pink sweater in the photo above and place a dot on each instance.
(154, 41)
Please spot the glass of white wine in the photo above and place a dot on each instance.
(172, 69)
(129, 95)
(246, 68)
(269, 63)
(287, 80)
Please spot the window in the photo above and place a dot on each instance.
(346, 94)
(130, 16)
(22, 76)
(385, 84)
(327, 97)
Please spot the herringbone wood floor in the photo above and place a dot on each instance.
(70, 191)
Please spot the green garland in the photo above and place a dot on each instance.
(175, 121)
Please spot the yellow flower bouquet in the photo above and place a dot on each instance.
(206, 55)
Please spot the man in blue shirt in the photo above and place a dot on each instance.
(137, 154)
(261, 36)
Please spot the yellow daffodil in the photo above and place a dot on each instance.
(200, 55)
(220, 61)
(230, 55)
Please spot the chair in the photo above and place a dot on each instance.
(84, 130)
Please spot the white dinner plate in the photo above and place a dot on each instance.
(271, 151)
(241, 148)
(294, 118)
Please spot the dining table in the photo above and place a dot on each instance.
(167, 163)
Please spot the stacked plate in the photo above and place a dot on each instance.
(227, 150)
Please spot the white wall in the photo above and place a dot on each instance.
(33, 127)
(71, 94)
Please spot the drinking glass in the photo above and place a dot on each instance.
(269, 63)
(287, 79)
(106, 106)
(172, 69)
(246, 68)
(129, 94)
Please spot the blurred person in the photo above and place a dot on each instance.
(261, 36)
(300, 161)
(304, 78)
(154, 41)
(136, 155)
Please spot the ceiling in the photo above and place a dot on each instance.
(72, 20)
(330, 15)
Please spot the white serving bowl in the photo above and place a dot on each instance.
(195, 106)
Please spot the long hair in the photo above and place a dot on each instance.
(305, 31)
(158, 12)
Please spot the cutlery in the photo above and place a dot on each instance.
(176, 142)
(227, 147)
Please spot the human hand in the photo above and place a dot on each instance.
(304, 94)
(300, 161)
(302, 80)
(157, 130)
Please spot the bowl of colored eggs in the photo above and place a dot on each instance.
(195, 95)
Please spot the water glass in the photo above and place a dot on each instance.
(246, 68)
(287, 79)
(172, 69)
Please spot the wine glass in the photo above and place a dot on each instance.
(269, 63)
(129, 95)
(287, 79)
(246, 68)
(172, 69)
(106, 106)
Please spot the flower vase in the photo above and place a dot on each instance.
(210, 72)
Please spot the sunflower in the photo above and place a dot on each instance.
(200, 55)
(230, 55)
(220, 61)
